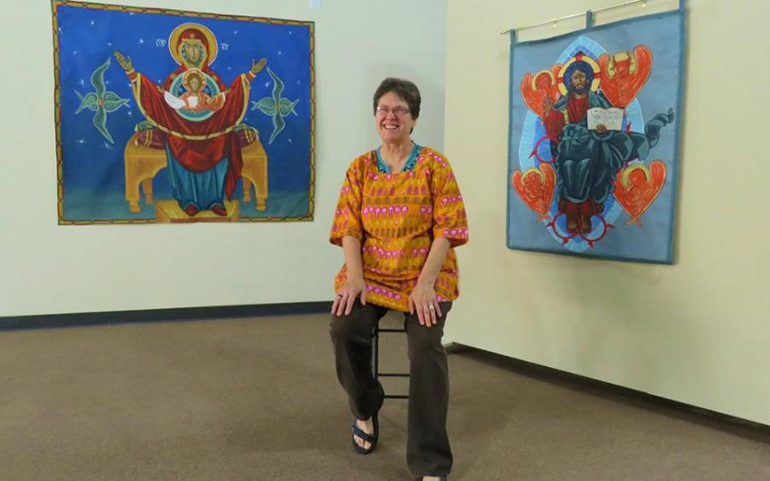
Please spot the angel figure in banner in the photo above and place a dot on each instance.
(588, 143)
(198, 115)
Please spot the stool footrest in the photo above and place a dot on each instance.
(393, 374)
(396, 396)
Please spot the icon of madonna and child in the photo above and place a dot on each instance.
(197, 115)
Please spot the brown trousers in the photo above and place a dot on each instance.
(427, 450)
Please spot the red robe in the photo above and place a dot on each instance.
(576, 110)
(199, 146)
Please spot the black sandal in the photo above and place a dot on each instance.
(369, 438)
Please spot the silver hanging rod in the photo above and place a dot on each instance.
(581, 14)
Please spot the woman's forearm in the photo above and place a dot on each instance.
(433, 263)
(351, 246)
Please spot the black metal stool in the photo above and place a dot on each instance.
(376, 359)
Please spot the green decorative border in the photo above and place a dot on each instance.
(55, 4)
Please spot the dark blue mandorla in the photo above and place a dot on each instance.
(276, 106)
(101, 101)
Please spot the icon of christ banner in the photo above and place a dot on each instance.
(594, 139)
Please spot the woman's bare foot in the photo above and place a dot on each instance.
(367, 427)
(431, 478)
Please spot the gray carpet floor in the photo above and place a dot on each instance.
(257, 399)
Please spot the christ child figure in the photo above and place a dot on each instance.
(195, 99)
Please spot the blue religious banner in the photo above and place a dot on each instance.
(594, 139)
(174, 117)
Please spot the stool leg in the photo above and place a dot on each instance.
(147, 188)
(379, 374)
(376, 352)
(246, 190)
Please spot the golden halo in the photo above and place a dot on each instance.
(534, 77)
(585, 58)
(190, 72)
(633, 168)
(212, 47)
(540, 174)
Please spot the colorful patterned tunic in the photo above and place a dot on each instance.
(396, 217)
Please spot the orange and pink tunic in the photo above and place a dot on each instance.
(396, 217)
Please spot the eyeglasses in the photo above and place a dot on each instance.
(397, 111)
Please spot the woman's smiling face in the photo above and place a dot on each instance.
(392, 119)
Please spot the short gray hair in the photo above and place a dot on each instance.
(405, 89)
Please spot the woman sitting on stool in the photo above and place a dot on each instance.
(399, 215)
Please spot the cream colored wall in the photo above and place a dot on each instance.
(48, 269)
(696, 332)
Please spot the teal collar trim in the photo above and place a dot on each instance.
(411, 161)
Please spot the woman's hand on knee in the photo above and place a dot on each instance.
(346, 296)
(424, 301)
